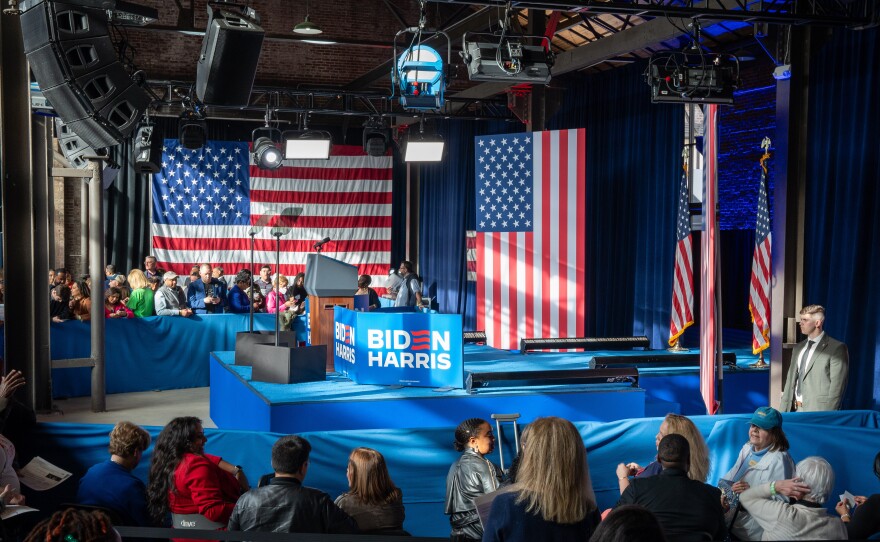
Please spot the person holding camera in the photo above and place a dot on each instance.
(207, 295)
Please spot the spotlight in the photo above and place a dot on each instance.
(423, 147)
(307, 144)
(376, 138)
(267, 148)
(192, 130)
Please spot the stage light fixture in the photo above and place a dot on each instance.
(423, 147)
(507, 58)
(376, 137)
(307, 27)
(192, 130)
(307, 144)
(267, 151)
(419, 73)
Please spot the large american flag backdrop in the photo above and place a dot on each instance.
(530, 200)
(207, 201)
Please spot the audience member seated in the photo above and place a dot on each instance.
(113, 306)
(629, 523)
(298, 294)
(198, 489)
(686, 509)
(763, 458)
(469, 477)
(673, 424)
(372, 499)
(151, 270)
(170, 300)
(552, 498)
(285, 505)
(864, 520)
(264, 282)
(803, 519)
(277, 301)
(141, 299)
(111, 484)
(239, 302)
(80, 302)
(207, 295)
(72, 525)
(16, 419)
(364, 289)
(59, 303)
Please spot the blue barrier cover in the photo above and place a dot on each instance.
(409, 348)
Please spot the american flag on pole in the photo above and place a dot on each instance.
(710, 322)
(471, 254)
(759, 290)
(683, 276)
(207, 201)
(530, 199)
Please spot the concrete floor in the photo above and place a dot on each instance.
(143, 408)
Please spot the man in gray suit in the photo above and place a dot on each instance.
(819, 367)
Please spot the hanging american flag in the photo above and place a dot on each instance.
(683, 275)
(530, 199)
(207, 201)
(759, 290)
(471, 254)
(710, 320)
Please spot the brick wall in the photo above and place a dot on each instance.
(741, 129)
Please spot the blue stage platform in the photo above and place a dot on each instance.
(338, 404)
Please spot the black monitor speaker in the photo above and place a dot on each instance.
(228, 62)
(74, 61)
(148, 149)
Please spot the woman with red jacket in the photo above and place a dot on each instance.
(198, 489)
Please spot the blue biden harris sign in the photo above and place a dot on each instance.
(403, 348)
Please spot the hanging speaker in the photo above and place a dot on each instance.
(74, 61)
(228, 61)
(148, 150)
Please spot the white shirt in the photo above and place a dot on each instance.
(804, 361)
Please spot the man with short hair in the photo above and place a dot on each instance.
(285, 505)
(206, 296)
(169, 299)
(151, 269)
(410, 293)
(264, 282)
(819, 367)
(686, 509)
(61, 277)
(217, 273)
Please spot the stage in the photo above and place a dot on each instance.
(338, 404)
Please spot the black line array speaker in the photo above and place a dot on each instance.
(75, 149)
(148, 149)
(228, 61)
(74, 61)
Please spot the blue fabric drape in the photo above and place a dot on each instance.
(842, 198)
(447, 212)
(633, 171)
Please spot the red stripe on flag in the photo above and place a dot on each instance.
(336, 221)
(581, 257)
(496, 285)
(547, 266)
(268, 245)
(323, 198)
(532, 291)
(481, 286)
(563, 236)
(314, 173)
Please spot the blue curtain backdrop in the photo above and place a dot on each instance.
(633, 174)
(447, 212)
(842, 201)
(633, 171)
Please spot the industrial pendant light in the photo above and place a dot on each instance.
(307, 27)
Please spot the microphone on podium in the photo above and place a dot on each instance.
(321, 243)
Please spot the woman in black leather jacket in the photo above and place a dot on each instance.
(469, 477)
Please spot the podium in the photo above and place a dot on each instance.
(330, 284)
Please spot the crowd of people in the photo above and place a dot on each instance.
(547, 493)
(152, 291)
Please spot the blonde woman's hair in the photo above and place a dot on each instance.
(682, 425)
(553, 477)
(137, 279)
(279, 280)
